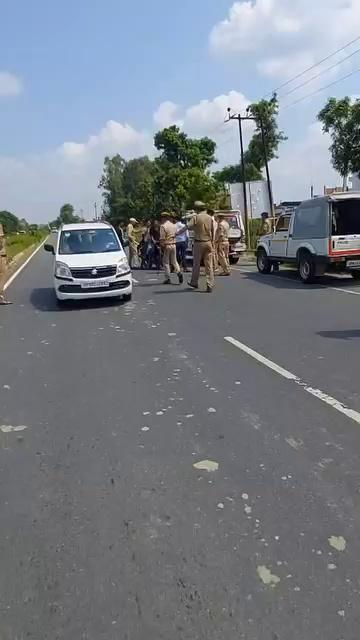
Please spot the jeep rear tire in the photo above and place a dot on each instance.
(306, 267)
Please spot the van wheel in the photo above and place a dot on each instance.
(263, 262)
(356, 275)
(306, 268)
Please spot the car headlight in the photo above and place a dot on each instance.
(62, 270)
(122, 267)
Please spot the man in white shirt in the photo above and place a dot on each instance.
(182, 239)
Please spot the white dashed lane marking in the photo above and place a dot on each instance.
(317, 393)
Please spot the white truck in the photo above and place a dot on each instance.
(322, 234)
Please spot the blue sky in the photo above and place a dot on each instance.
(93, 74)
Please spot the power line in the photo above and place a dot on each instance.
(333, 66)
(299, 75)
(321, 89)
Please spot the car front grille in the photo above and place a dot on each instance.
(92, 273)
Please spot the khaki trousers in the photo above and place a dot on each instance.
(203, 251)
(133, 255)
(223, 256)
(170, 260)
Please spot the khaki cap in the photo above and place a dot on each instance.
(133, 220)
(198, 205)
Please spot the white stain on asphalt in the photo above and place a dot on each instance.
(245, 496)
(6, 386)
(156, 359)
(145, 429)
(220, 505)
(295, 444)
(211, 410)
(248, 509)
(171, 335)
(206, 465)
(159, 413)
(338, 543)
(268, 578)
(7, 428)
(332, 567)
(189, 415)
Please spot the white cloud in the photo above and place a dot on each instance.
(300, 32)
(167, 115)
(10, 85)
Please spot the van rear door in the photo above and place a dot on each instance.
(345, 228)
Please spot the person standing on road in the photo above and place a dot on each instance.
(182, 239)
(133, 243)
(222, 245)
(203, 248)
(211, 213)
(168, 243)
(3, 264)
(265, 226)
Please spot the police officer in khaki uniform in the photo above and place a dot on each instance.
(3, 264)
(203, 247)
(265, 226)
(168, 232)
(222, 245)
(133, 243)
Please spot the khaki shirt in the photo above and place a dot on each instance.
(168, 233)
(265, 228)
(203, 226)
(222, 233)
(130, 235)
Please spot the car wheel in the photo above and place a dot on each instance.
(234, 259)
(127, 298)
(356, 275)
(263, 262)
(306, 268)
(61, 303)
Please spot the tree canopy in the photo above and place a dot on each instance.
(66, 216)
(341, 119)
(10, 223)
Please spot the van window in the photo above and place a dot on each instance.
(345, 219)
(311, 222)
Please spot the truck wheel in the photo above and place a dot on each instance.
(306, 268)
(356, 275)
(263, 262)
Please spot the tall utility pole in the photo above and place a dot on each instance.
(240, 119)
(246, 210)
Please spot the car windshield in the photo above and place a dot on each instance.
(233, 222)
(88, 241)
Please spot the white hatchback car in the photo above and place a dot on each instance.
(90, 263)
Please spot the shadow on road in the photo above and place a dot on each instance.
(347, 334)
(290, 280)
(45, 300)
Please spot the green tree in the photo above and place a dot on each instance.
(182, 171)
(341, 119)
(9, 222)
(265, 114)
(66, 216)
(112, 188)
(233, 173)
(138, 188)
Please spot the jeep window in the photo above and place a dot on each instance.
(311, 222)
(283, 223)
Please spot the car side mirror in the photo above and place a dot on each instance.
(49, 248)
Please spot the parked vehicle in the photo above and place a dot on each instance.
(237, 244)
(322, 234)
(90, 263)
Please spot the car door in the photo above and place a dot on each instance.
(280, 237)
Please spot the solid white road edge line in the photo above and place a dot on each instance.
(329, 400)
(19, 270)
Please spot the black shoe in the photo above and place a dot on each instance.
(181, 278)
(193, 286)
(168, 281)
(209, 289)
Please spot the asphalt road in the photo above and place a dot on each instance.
(109, 532)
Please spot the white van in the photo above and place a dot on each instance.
(322, 234)
(90, 263)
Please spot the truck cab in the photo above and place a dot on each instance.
(322, 234)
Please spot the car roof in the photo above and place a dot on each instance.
(347, 195)
(85, 225)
